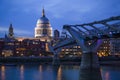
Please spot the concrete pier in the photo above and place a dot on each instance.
(89, 68)
(56, 60)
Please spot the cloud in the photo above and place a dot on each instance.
(3, 29)
(22, 31)
(60, 8)
(53, 6)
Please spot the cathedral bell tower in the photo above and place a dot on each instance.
(10, 32)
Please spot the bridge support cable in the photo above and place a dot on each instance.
(81, 34)
(109, 26)
(85, 28)
(85, 34)
(90, 36)
(101, 31)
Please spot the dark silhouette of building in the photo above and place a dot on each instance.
(56, 35)
(11, 32)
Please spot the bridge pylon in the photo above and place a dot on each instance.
(56, 60)
(89, 68)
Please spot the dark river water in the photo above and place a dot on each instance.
(49, 72)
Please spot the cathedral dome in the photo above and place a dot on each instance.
(43, 20)
(43, 29)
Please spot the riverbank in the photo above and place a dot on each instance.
(113, 61)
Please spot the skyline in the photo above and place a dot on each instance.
(24, 14)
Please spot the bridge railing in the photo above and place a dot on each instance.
(97, 32)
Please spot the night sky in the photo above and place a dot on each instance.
(23, 14)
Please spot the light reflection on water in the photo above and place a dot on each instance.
(49, 72)
(111, 73)
(22, 72)
(3, 72)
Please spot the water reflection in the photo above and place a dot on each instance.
(3, 72)
(40, 68)
(110, 72)
(59, 73)
(22, 72)
(107, 76)
(49, 72)
(70, 72)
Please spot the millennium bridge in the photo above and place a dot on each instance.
(89, 37)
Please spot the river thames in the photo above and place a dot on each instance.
(49, 72)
